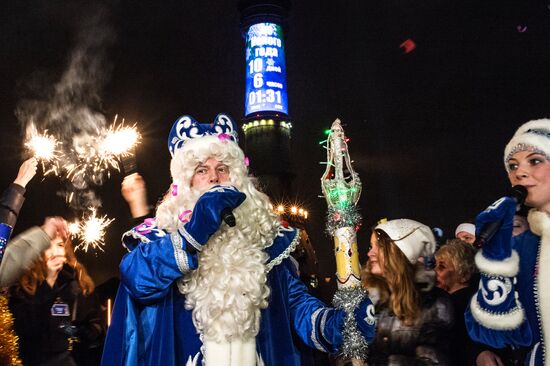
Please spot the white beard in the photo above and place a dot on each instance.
(228, 289)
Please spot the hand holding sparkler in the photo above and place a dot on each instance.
(44, 148)
(135, 193)
(27, 171)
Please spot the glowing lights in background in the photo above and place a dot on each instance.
(289, 209)
(267, 122)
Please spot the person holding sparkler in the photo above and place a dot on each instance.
(12, 200)
(134, 192)
(27, 246)
(57, 316)
(209, 279)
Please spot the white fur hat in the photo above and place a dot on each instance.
(466, 227)
(413, 238)
(531, 136)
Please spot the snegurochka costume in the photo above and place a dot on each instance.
(512, 305)
(150, 323)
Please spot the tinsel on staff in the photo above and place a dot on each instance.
(341, 188)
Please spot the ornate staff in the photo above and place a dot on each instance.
(341, 188)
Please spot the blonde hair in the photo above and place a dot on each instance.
(38, 271)
(461, 255)
(397, 287)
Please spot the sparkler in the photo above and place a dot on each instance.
(92, 232)
(74, 228)
(44, 148)
(91, 156)
(121, 141)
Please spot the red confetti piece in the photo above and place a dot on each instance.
(408, 46)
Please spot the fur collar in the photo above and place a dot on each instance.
(540, 225)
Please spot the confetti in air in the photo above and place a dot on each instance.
(521, 28)
(408, 46)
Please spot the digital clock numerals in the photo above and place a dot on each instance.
(264, 96)
(256, 67)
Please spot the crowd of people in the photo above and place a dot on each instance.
(209, 276)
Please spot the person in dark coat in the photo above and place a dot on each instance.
(414, 318)
(57, 316)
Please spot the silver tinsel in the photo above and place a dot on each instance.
(342, 217)
(354, 344)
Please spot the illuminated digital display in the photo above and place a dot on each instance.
(265, 69)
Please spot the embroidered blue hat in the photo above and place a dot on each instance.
(186, 128)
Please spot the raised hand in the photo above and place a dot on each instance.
(135, 193)
(55, 226)
(27, 171)
(54, 264)
(502, 211)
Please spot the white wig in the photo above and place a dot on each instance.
(229, 288)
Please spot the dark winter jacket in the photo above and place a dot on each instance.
(45, 322)
(426, 342)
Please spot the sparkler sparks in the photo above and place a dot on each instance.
(89, 157)
(120, 140)
(44, 148)
(74, 228)
(92, 231)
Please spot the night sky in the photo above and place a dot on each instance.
(427, 127)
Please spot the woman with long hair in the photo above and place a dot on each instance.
(56, 313)
(413, 316)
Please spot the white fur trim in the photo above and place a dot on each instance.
(508, 267)
(543, 291)
(497, 321)
(537, 141)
